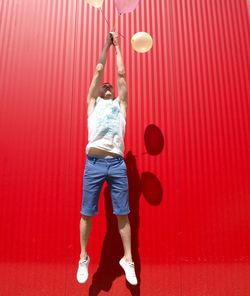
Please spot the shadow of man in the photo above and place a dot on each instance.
(112, 249)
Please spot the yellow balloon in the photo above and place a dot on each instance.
(141, 42)
(95, 3)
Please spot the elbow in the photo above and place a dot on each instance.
(121, 73)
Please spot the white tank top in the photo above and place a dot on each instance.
(106, 127)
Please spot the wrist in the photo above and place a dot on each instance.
(107, 46)
(117, 48)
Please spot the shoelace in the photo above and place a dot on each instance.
(132, 268)
(84, 261)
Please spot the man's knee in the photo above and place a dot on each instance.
(123, 218)
(85, 217)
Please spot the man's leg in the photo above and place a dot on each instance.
(85, 228)
(118, 184)
(127, 262)
(125, 232)
(94, 176)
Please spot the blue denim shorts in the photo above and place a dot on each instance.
(100, 169)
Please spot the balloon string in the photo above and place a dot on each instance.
(109, 22)
(105, 18)
(121, 34)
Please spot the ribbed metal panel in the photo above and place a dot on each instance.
(193, 85)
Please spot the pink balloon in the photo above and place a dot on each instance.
(125, 6)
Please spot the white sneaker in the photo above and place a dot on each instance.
(82, 272)
(129, 268)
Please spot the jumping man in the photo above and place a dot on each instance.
(105, 159)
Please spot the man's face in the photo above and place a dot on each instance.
(107, 91)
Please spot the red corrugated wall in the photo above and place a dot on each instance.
(191, 201)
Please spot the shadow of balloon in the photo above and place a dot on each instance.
(112, 249)
(153, 139)
(151, 188)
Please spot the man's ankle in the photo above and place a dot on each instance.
(83, 256)
(128, 258)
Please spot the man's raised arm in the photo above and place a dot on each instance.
(121, 77)
(95, 83)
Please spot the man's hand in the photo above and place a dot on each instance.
(114, 38)
(109, 40)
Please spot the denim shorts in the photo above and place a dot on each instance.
(114, 171)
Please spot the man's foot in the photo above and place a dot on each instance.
(82, 272)
(129, 268)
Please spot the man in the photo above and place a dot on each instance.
(105, 152)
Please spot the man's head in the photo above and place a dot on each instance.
(106, 91)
